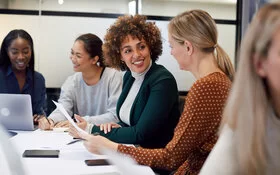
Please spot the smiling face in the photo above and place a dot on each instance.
(135, 54)
(80, 57)
(19, 53)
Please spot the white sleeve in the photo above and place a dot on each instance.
(115, 88)
(100, 119)
(222, 159)
(66, 98)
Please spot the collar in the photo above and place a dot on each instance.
(139, 75)
(9, 70)
(28, 74)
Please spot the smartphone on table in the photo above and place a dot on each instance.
(97, 162)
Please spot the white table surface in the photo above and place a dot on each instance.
(71, 158)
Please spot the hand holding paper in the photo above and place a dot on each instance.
(64, 112)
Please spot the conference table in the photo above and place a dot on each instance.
(71, 159)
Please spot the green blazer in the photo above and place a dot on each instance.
(154, 113)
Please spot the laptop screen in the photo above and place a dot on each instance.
(16, 112)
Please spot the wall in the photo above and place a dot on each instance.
(54, 36)
(103, 6)
(172, 8)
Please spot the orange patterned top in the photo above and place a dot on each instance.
(196, 131)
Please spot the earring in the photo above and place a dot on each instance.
(123, 63)
(123, 66)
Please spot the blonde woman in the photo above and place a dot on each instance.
(249, 142)
(193, 42)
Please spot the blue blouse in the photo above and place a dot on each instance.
(9, 84)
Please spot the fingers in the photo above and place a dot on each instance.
(43, 124)
(62, 124)
(116, 125)
(81, 122)
(107, 127)
(36, 117)
(59, 124)
(82, 125)
(103, 127)
(79, 118)
(73, 132)
(92, 143)
(51, 122)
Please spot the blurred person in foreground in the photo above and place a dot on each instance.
(249, 141)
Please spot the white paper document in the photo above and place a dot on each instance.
(64, 112)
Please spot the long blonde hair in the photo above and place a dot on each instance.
(247, 109)
(198, 27)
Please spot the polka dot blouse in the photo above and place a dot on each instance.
(196, 131)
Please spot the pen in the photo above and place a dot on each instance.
(47, 119)
(78, 140)
(74, 141)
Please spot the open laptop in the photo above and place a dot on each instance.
(16, 112)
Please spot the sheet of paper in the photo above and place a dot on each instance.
(64, 112)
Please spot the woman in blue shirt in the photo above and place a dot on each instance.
(17, 74)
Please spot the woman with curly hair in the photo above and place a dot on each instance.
(193, 41)
(148, 107)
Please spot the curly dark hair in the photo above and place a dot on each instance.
(136, 26)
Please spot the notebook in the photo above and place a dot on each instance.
(16, 112)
